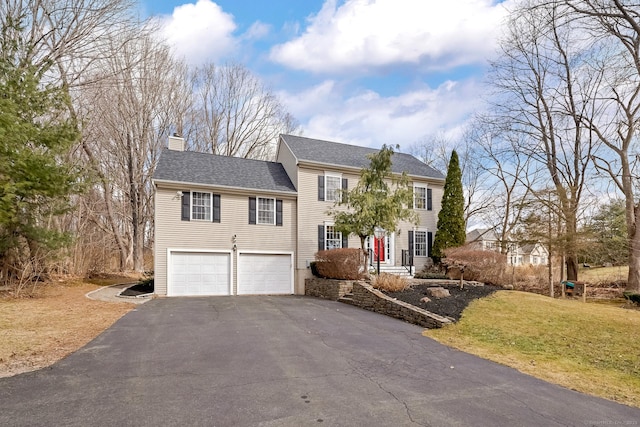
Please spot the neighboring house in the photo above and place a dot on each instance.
(487, 240)
(231, 226)
(534, 254)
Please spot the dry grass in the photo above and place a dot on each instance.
(390, 282)
(57, 320)
(592, 348)
(597, 275)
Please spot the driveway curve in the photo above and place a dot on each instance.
(284, 361)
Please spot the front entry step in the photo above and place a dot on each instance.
(347, 299)
(397, 270)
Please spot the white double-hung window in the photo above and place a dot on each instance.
(201, 206)
(420, 243)
(419, 197)
(266, 211)
(333, 238)
(332, 187)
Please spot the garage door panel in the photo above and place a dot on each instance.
(266, 274)
(196, 273)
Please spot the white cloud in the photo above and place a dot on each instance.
(366, 34)
(200, 31)
(369, 119)
(257, 30)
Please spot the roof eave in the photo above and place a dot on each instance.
(318, 165)
(229, 188)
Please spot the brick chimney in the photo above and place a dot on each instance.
(176, 142)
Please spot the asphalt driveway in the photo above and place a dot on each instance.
(294, 361)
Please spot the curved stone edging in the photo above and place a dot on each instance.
(365, 296)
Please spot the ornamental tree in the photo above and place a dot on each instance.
(451, 230)
(380, 199)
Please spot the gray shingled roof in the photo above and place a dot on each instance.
(481, 234)
(209, 169)
(334, 153)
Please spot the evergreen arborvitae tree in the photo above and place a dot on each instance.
(451, 227)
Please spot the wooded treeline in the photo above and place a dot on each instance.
(89, 94)
(558, 142)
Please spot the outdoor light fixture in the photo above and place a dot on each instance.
(378, 233)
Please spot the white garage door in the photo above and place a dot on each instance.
(265, 274)
(199, 273)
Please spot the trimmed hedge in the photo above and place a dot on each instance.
(341, 264)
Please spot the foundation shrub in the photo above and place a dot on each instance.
(389, 282)
(482, 266)
(341, 264)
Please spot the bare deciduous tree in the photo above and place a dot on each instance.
(509, 178)
(544, 97)
(128, 114)
(614, 28)
(234, 114)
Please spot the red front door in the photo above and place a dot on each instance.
(378, 249)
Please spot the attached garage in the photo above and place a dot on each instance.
(199, 273)
(265, 274)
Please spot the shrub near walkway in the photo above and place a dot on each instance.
(591, 348)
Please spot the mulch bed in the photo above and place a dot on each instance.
(451, 306)
(139, 289)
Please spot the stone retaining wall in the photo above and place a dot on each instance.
(365, 296)
(327, 288)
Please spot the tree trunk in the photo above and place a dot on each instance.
(633, 281)
(137, 240)
(366, 256)
(108, 203)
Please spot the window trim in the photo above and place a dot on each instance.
(273, 211)
(426, 242)
(191, 206)
(336, 175)
(425, 188)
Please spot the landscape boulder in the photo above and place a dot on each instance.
(438, 292)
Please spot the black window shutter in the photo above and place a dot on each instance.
(429, 243)
(429, 203)
(345, 188)
(321, 187)
(216, 208)
(279, 212)
(321, 238)
(345, 240)
(411, 243)
(186, 206)
(252, 210)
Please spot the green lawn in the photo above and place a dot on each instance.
(592, 348)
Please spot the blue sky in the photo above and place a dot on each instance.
(367, 72)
